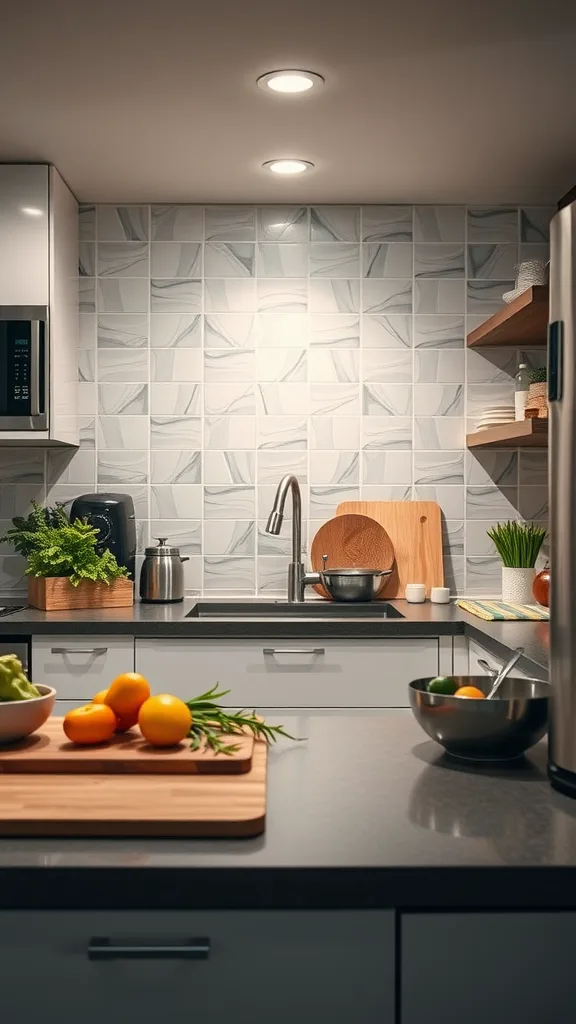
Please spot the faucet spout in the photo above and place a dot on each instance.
(274, 524)
(297, 578)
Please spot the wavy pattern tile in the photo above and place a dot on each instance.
(123, 223)
(176, 259)
(171, 223)
(175, 330)
(283, 224)
(335, 224)
(229, 259)
(123, 259)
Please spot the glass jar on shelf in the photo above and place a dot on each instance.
(522, 381)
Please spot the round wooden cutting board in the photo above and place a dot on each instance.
(351, 542)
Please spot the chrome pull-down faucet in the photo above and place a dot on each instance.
(298, 579)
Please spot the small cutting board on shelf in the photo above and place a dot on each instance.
(209, 806)
(415, 529)
(351, 542)
(48, 752)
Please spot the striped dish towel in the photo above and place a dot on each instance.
(500, 610)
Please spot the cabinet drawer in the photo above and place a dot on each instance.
(287, 966)
(290, 673)
(80, 666)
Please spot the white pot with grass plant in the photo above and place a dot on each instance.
(518, 545)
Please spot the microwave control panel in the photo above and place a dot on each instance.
(17, 354)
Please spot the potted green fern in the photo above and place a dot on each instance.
(64, 568)
(518, 545)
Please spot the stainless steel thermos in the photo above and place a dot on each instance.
(162, 574)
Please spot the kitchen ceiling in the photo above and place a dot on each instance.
(424, 101)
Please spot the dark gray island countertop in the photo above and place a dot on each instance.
(170, 620)
(367, 812)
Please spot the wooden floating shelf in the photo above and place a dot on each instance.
(522, 434)
(523, 323)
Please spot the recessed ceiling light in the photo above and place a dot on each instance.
(288, 166)
(290, 81)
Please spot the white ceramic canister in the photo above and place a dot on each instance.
(517, 585)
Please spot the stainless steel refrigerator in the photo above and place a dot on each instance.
(562, 492)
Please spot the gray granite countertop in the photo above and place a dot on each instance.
(366, 812)
(170, 620)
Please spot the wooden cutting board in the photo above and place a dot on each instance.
(137, 805)
(415, 529)
(48, 752)
(351, 542)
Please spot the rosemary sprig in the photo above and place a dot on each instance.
(210, 721)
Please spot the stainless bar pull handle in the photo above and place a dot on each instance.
(293, 650)
(96, 651)
(101, 948)
(35, 368)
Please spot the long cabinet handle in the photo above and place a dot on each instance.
(97, 651)
(125, 949)
(293, 650)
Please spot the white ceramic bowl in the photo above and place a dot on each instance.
(19, 718)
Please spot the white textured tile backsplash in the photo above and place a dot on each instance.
(224, 346)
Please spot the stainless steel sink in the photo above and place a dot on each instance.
(289, 610)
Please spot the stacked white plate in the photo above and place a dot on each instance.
(496, 416)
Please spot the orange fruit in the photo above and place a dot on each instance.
(470, 691)
(164, 720)
(92, 723)
(126, 694)
(125, 722)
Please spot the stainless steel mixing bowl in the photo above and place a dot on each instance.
(484, 730)
(353, 584)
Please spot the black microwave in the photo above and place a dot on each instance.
(24, 392)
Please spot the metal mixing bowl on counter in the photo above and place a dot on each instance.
(353, 584)
(484, 730)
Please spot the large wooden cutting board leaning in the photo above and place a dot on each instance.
(351, 542)
(48, 752)
(415, 529)
(137, 805)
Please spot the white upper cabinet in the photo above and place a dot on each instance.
(24, 235)
(39, 273)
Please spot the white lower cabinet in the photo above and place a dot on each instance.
(254, 967)
(498, 967)
(78, 666)
(318, 673)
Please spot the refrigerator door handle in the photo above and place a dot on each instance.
(555, 338)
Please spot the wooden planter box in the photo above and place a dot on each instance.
(56, 593)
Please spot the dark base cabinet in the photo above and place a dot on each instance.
(493, 968)
(218, 967)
